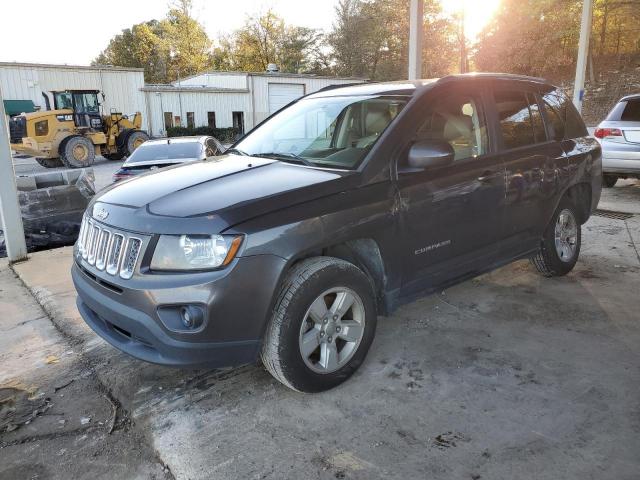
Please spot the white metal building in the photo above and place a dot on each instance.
(227, 99)
(122, 87)
(217, 99)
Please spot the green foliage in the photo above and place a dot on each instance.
(540, 37)
(267, 39)
(176, 46)
(370, 38)
(225, 135)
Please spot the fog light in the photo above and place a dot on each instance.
(191, 316)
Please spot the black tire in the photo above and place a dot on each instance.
(50, 162)
(78, 152)
(548, 261)
(135, 139)
(608, 180)
(306, 282)
(114, 156)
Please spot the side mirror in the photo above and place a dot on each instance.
(430, 153)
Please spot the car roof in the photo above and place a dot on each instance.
(189, 139)
(410, 87)
(633, 96)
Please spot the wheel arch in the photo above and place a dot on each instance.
(364, 253)
(580, 194)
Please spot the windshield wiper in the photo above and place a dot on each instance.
(237, 152)
(286, 156)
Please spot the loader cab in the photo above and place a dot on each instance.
(85, 106)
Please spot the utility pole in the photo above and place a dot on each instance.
(416, 25)
(583, 50)
(464, 61)
(9, 207)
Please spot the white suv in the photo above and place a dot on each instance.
(619, 135)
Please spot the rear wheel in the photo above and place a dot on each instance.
(560, 245)
(136, 139)
(608, 180)
(50, 162)
(322, 326)
(79, 152)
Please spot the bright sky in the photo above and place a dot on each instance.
(477, 13)
(75, 31)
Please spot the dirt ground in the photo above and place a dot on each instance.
(509, 375)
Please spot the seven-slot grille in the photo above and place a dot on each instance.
(108, 249)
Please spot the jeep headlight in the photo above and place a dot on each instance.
(194, 252)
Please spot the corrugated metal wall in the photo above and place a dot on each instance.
(200, 103)
(216, 80)
(125, 91)
(121, 87)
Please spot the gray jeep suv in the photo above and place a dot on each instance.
(336, 209)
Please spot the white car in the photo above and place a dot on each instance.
(154, 154)
(619, 135)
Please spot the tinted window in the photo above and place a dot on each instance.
(555, 123)
(631, 112)
(163, 151)
(539, 132)
(574, 126)
(517, 120)
(458, 120)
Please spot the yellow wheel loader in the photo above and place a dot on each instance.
(75, 131)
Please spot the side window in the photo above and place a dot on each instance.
(520, 119)
(573, 125)
(539, 133)
(457, 119)
(631, 112)
(554, 118)
(212, 148)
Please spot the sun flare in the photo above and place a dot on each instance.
(477, 13)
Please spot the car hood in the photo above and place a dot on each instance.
(220, 191)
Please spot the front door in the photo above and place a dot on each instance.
(452, 215)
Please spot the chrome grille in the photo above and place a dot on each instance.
(108, 249)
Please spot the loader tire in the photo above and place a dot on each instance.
(50, 162)
(136, 139)
(78, 152)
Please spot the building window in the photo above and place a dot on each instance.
(211, 119)
(168, 120)
(238, 121)
(177, 121)
(190, 120)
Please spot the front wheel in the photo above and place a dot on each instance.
(322, 325)
(78, 152)
(560, 244)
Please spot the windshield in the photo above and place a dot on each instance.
(335, 132)
(166, 151)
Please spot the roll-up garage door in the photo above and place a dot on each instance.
(281, 94)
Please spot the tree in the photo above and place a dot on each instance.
(267, 39)
(141, 46)
(370, 38)
(174, 47)
(540, 37)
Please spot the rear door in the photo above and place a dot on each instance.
(533, 163)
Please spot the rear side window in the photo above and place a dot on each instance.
(573, 125)
(631, 112)
(520, 119)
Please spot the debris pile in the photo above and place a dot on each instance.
(52, 205)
